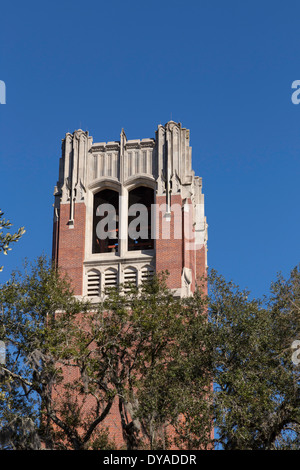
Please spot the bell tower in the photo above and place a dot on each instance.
(126, 209)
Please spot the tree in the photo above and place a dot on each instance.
(151, 361)
(155, 357)
(256, 396)
(37, 341)
(8, 238)
(130, 352)
(70, 361)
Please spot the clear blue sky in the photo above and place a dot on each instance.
(223, 69)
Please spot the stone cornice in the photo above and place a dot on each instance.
(105, 147)
(138, 144)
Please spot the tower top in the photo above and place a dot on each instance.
(154, 171)
(166, 159)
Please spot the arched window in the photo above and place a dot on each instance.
(140, 202)
(106, 221)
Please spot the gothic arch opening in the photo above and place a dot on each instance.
(140, 200)
(106, 222)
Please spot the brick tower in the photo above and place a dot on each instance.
(155, 173)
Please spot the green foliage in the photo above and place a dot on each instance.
(256, 397)
(6, 239)
(37, 340)
(171, 367)
(102, 441)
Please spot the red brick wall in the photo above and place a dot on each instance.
(174, 254)
(201, 268)
(169, 252)
(71, 244)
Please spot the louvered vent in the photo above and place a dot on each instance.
(111, 278)
(93, 284)
(147, 273)
(130, 278)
